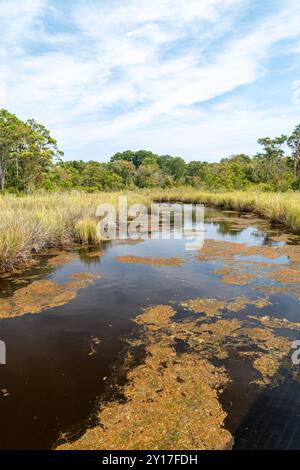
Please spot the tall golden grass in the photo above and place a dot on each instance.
(32, 223)
(283, 208)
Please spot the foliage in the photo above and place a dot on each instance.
(30, 160)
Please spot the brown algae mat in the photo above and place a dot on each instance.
(43, 294)
(171, 400)
(266, 263)
(151, 261)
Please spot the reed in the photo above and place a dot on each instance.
(32, 223)
(283, 208)
(86, 231)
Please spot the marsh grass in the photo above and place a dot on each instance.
(283, 208)
(86, 231)
(32, 223)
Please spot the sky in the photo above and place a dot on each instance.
(200, 79)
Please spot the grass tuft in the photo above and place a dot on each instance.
(86, 231)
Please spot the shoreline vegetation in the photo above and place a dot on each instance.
(47, 202)
(30, 224)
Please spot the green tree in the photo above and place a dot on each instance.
(13, 135)
(125, 169)
(269, 166)
(173, 166)
(27, 151)
(97, 176)
(149, 175)
(294, 143)
(137, 158)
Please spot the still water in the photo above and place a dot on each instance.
(56, 371)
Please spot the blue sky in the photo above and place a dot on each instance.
(202, 79)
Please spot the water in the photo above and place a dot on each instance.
(55, 383)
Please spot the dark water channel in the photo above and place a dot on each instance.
(53, 380)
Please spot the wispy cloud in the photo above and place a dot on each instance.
(170, 75)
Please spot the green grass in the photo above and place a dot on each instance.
(283, 208)
(32, 223)
(86, 231)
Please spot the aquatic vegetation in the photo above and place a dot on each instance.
(85, 276)
(4, 393)
(31, 223)
(275, 322)
(95, 254)
(151, 261)
(62, 258)
(165, 397)
(210, 307)
(171, 391)
(213, 307)
(156, 316)
(274, 348)
(43, 294)
(95, 341)
(238, 278)
(283, 208)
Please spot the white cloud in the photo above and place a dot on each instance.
(122, 71)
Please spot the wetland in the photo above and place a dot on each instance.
(146, 345)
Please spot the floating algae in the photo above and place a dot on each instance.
(95, 341)
(171, 400)
(85, 276)
(229, 251)
(5, 393)
(219, 338)
(272, 322)
(241, 302)
(273, 349)
(41, 295)
(286, 276)
(151, 261)
(241, 271)
(238, 278)
(95, 254)
(62, 258)
(210, 307)
(156, 317)
(213, 307)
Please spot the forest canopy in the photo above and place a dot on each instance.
(30, 160)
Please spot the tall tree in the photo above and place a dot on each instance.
(26, 151)
(125, 169)
(13, 133)
(294, 143)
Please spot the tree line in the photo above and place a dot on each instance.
(30, 159)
